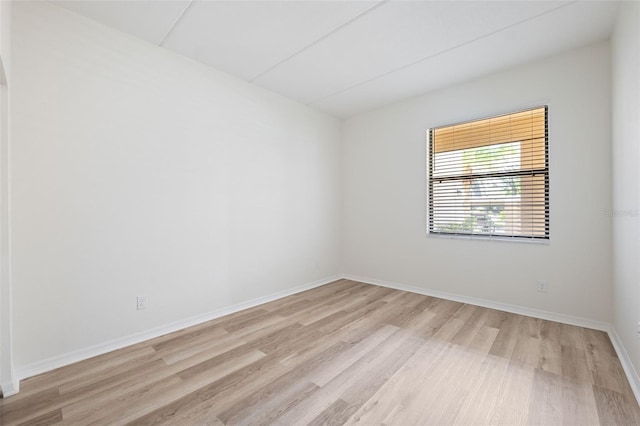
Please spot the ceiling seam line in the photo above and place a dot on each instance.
(312, 102)
(175, 23)
(329, 34)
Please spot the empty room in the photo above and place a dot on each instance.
(319, 212)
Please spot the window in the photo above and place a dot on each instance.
(490, 177)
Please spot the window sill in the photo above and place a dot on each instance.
(534, 241)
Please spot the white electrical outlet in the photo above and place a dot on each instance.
(638, 330)
(542, 286)
(142, 302)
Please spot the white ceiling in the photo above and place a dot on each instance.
(345, 57)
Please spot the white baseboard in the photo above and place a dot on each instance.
(623, 356)
(10, 387)
(52, 363)
(515, 309)
(625, 360)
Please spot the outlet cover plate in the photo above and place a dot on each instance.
(142, 302)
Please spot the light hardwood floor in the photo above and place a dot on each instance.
(344, 353)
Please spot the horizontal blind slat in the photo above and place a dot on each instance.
(490, 176)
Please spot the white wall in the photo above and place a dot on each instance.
(626, 179)
(385, 191)
(7, 381)
(5, 40)
(137, 171)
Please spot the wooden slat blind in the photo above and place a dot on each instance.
(490, 177)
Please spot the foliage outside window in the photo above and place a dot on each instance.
(490, 177)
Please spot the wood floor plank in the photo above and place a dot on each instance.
(615, 408)
(112, 409)
(187, 338)
(295, 375)
(378, 367)
(207, 400)
(483, 390)
(335, 414)
(440, 401)
(49, 418)
(125, 370)
(324, 375)
(606, 370)
(550, 358)
(348, 336)
(546, 401)
(403, 387)
(572, 336)
(579, 406)
(514, 396)
(344, 353)
(322, 311)
(212, 347)
(14, 410)
(96, 365)
(336, 323)
(484, 339)
(474, 319)
(359, 381)
(574, 364)
(268, 404)
(507, 337)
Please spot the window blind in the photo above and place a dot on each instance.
(490, 177)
